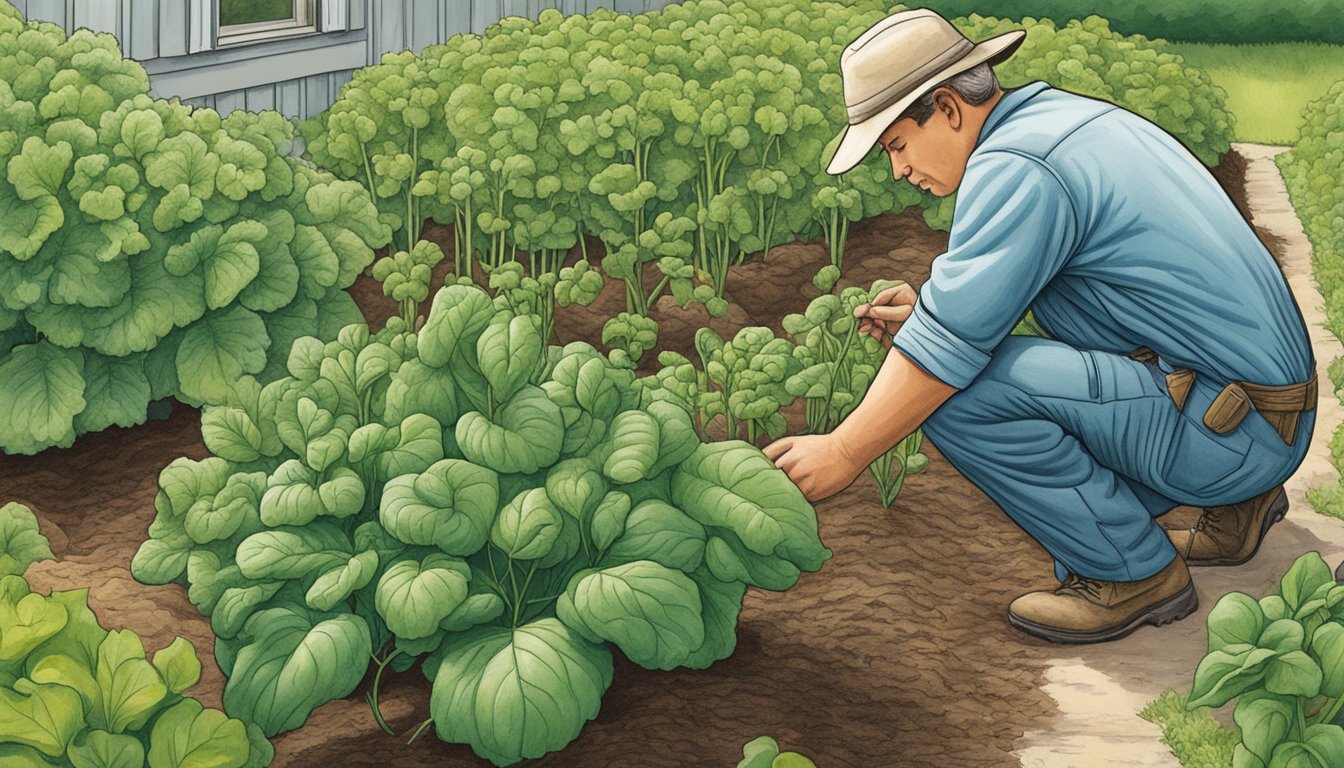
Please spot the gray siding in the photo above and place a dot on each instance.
(299, 76)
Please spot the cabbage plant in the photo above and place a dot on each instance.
(470, 497)
(148, 249)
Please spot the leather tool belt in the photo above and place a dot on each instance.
(1281, 406)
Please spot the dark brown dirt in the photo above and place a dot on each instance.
(896, 653)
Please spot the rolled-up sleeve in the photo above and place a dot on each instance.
(1013, 230)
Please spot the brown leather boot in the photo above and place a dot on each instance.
(1093, 611)
(1230, 534)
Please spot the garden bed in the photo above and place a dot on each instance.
(896, 652)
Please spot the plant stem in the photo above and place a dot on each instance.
(372, 695)
(1301, 721)
(419, 730)
(518, 603)
(1333, 710)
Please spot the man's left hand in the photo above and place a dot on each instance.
(819, 465)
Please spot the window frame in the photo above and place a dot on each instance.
(303, 22)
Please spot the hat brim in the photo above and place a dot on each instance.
(857, 139)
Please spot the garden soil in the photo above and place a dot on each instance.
(896, 653)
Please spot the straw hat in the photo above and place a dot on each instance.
(900, 57)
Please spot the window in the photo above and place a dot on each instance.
(247, 21)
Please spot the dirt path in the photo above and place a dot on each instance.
(1099, 689)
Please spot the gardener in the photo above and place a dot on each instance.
(1178, 368)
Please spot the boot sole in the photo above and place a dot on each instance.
(1174, 608)
(1278, 508)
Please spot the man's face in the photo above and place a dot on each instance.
(931, 156)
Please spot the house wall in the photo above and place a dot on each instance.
(299, 76)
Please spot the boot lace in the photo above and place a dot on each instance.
(1211, 520)
(1087, 589)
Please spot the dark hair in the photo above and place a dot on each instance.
(975, 86)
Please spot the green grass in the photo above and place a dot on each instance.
(248, 11)
(1195, 738)
(1268, 85)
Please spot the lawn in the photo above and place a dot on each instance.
(1268, 84)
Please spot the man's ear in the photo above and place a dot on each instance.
(946, 103)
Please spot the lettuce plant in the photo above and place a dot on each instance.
(1282, 658)
(467, 496)
(73, 693)
(148, 249)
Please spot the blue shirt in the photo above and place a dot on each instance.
(1116, 237)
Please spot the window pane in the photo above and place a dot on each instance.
(249, 11)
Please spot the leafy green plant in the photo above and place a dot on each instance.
(73, 693)
(405, 276)
(471, 498)
(630, 333)
(893, 467)
(763, 752)
(1282, 658)
(148, 249)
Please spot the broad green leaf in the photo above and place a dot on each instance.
(294, 665)
(732, 485)
(79, 639)
(220, 517)
(1293, 674)
(418, 388)
(100, 749)
(1323, 747)
(39, 170)
(527, 527)
(217, 350)
(20, 756)
(231, 434)
(1224, 675)
(720, 604)
(1305, 576)
(451, 505)
(634, 447)
(507, 351)
(293, 553)
(1265, 722)
(420, 444)
(1327, 645)
(760, 752)
(44, 717)
(290, 498)
(458, 316)
(25, 225)
(131, 689)
(116, 391)
(236, 605)
(610, 519)
(676, 435)
(21, 544)
(1235, 619)
(178, 665)
(650, 611)
(41, 391)
(662, 533)
(338, 583)
(187, 735)
(476, 609)
(414, 596)
(158, 562)
(576, 487)
(514, 694)
(525, 435)
(26, 623)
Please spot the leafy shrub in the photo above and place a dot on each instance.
(1245, 21)
(469, 496)
(73, 693)
(148, 249)
(1282, 658)
(685, 139)
(1195, 738)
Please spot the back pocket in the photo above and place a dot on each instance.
(1197, 463)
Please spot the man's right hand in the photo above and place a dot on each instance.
(886, 312)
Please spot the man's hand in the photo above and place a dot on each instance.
(888, 310)
(819, 465)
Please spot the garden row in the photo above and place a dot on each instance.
(685, 140)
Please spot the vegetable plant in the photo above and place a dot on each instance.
(893, 467)
(763, 752)
(631, 333)
(73, 693)
(470, 498)
(148, 249)
(1282, 658)
(405, 276)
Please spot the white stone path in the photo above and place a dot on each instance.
(1100, 689)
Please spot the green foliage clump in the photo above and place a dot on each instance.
(405, 276)
(75, 694)
(1311, 172)
(1195, 738)
(1282, 658)
(1244, 21)
(148, 249)
(470, 497)
(763, 752)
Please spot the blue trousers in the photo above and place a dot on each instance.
(1083, 449)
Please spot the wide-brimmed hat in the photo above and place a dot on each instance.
(900, 57)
